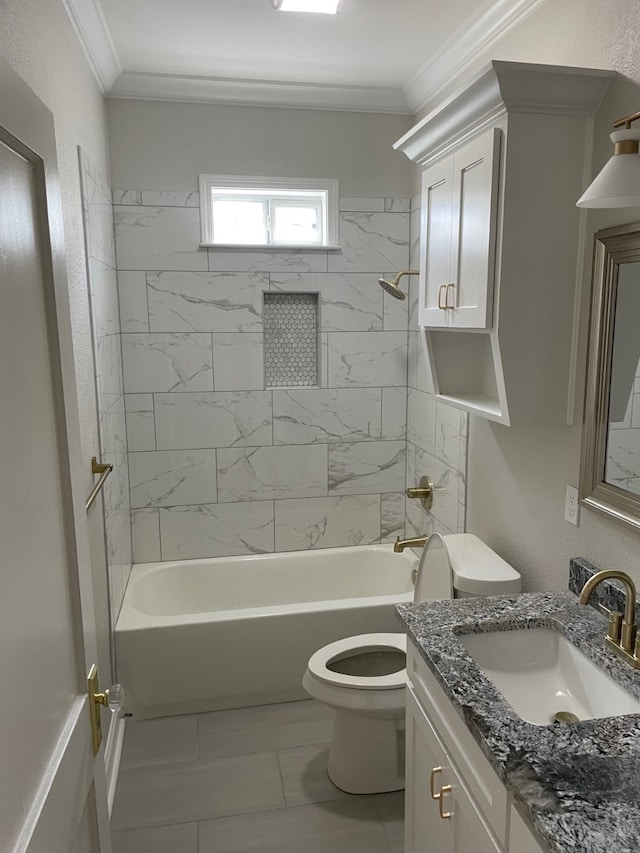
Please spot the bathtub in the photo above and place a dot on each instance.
(203, 635)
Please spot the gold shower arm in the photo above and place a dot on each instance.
(399, 275)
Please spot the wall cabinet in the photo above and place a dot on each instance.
(458, 236)
(502, 242)
(455, 802)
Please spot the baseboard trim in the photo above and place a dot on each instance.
(112, 755)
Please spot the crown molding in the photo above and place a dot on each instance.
(211, 90)
(463, 47)
(93, 34)
(504, 87)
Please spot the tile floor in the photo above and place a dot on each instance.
(244, 781)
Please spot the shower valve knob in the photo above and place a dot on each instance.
(422, 492)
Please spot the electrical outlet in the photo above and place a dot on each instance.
(571, 507)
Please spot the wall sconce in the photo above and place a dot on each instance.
(618, 184)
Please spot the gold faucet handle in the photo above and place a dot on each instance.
(615, 625)
(423, 492)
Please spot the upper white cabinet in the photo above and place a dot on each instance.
(458, 236)
(502, 242)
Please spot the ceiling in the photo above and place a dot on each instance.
(373, 55)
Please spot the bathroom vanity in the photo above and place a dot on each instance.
(456, 802)
(482, 778)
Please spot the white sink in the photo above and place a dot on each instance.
(540, 673)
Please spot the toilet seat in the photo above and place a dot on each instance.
(359, 645)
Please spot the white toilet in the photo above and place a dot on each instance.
(363, 678)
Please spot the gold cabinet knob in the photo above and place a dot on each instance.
(423, 492)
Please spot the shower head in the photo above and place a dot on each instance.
(392, 288)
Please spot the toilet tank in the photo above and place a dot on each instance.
(464, 566)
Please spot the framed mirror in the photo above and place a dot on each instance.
(610, 461)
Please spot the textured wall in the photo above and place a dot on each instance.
(34, 36)
(166, 145)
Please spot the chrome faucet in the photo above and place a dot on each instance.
(621, 635)
(417, 542)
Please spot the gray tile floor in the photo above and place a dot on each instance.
(243, 781)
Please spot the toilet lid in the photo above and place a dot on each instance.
(319, 662)
(434, 581)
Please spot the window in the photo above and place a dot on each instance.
(279, 212)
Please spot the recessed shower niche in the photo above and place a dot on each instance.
(290, 339)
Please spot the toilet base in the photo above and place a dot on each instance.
(366, 754)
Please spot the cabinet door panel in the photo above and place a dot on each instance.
(435, 242)
(465, 831)
(425, 831)
(521, 838)
(475, 186)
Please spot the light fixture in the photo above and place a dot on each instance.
(325, 7)
(618, 184)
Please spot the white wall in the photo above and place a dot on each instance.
(517, 477)
(37, 39)
(186, 139)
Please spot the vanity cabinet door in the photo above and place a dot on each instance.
(458, 236)
(465, 830)
(521, 839)
(451, 823)
(425, 830)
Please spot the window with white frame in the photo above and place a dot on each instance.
(280, 212)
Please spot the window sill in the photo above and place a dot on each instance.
(261, 247)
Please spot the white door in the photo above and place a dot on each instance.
(473, 237)
(52, 789)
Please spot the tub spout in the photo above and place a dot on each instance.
(416, 542)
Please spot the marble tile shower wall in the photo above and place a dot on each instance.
(219, 465)
(105, 319)
(437, 434)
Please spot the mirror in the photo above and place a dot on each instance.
(610, 463)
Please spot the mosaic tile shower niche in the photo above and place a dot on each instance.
(290, 339)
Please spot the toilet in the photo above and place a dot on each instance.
(363, 678)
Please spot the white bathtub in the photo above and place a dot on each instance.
(202, 635)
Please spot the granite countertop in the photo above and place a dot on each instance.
(579, 783)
